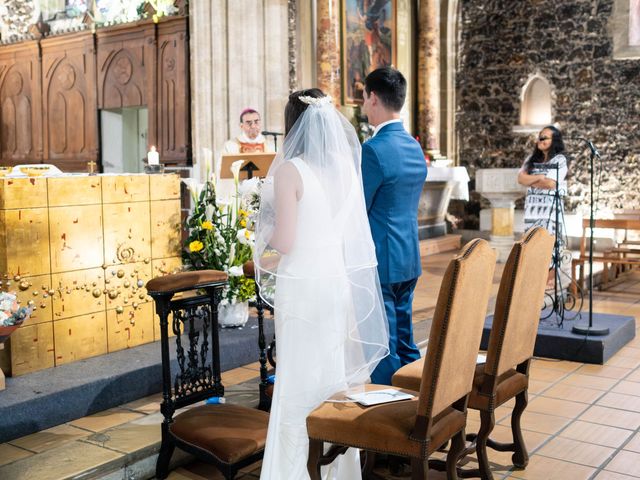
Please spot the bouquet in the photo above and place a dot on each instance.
(12, 314)
(220, 233)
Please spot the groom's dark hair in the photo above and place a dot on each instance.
(296, 107)
(389, 85)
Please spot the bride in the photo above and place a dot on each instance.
(316, 264)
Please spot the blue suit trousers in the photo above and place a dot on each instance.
(398, 300)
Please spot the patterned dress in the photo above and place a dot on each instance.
(540, 204)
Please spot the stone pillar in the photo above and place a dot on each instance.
(501, 188)
(237, 61)
(328, 48)
(429, 75)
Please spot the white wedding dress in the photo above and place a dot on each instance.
(331, 327)
(312, 298)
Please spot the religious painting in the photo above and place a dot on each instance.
(634, 22)
(368, 42)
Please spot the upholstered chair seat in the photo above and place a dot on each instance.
(382, 428)
(228, 432)
(508, 385)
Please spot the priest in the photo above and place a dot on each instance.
(250, 139)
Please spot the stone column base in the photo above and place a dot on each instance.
(502, 245)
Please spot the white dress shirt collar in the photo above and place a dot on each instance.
(384, 124)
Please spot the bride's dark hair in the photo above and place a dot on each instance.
(296, 107)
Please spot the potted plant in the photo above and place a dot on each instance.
(220, 237)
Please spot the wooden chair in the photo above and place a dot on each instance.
(416, 428)
(505, 374)
(228, 436)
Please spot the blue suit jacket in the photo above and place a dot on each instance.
(393, 174)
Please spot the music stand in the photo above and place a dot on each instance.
(254, 163)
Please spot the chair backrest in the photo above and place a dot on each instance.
(519, 301)
(193, 320)
(456, 329)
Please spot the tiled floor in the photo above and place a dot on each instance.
(582, 422)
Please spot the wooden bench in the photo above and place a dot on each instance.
(623, 255)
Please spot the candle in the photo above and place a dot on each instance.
(153, 157)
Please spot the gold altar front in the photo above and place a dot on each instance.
(79, 249)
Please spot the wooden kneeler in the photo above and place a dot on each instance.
(229, 436)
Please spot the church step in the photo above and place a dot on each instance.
(445, 243)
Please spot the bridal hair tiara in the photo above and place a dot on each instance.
(316, 102)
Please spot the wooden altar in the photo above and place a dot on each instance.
(80, 248)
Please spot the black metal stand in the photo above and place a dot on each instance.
(588, 328)
(275, 140)
(561, 301)
(558, 300)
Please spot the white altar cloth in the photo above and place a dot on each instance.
(458, 176)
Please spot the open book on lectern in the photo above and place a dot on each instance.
(255, 164)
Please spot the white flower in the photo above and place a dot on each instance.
(245, 237)
(209, 210)
(232, 253)
(194, 187)
(316, 102)
(235, 169)
(249, 187)
(236, 271)
(223, 205)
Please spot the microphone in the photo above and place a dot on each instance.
(271, 133)
(592, 147)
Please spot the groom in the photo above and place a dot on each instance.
(393, 173)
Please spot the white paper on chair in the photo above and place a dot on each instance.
(482, 358)
(377, 397)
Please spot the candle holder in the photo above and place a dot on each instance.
(153, 168)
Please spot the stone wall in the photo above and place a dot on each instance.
(502, 44)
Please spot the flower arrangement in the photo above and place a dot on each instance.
(11, 313)
(220, 233)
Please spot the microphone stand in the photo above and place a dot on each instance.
(275, 140)
(588, 328)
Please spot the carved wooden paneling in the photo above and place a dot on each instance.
(69, 101)
(174, 135)
(51, 90)
(126, 72)
(20, 104)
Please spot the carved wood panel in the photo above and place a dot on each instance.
(69, 101)
(126, 70)
(51, 90)
(174, 133)
(20, 104)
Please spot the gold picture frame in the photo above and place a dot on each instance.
(369, 41)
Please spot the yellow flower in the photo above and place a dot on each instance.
(196, 246)
(243, 213)
(207, 225)
(247, 234)
(243, 223)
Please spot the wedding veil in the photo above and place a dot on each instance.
(338, 259)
